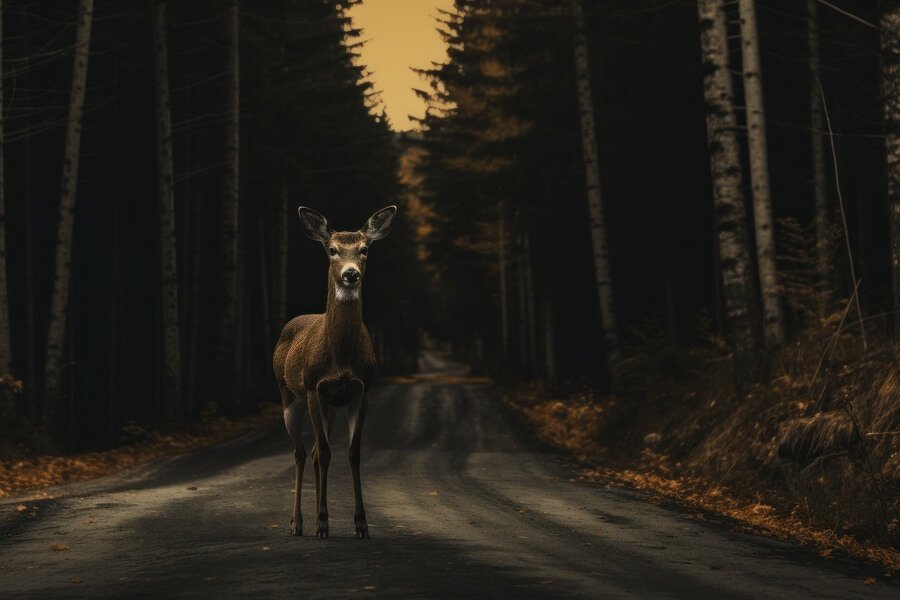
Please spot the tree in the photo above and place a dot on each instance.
(730, 219)
(602, 269)
(165, 192)
(773, 319)
(890, 57)
(5, 339)
(228, 324)
(817, 127)
(63, 263)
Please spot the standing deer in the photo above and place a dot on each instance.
(326, 361)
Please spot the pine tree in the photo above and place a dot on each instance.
(890, 57)
(5, 340)
(166, 196)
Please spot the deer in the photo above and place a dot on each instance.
(323, 362)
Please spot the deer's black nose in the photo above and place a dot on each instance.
(350, 276)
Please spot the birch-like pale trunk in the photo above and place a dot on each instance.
(890, 57)
(817, 126)
(602, 269)
(62, 274)
(165, 182)
(773, 317)
(738, 290)
(227, 355)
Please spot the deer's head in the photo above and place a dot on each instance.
(347, 250)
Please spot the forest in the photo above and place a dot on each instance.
(670, 230)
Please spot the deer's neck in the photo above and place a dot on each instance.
(343, 322)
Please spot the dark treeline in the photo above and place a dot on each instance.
(509, 174)
(590, 176)
(205, 124)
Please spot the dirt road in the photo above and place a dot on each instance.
(460, 503)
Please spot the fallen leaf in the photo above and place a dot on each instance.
(433, 493)
(869, 581)
(57, 547)
(77, 580)
(21, 507)
(273, 526)
(825, 552)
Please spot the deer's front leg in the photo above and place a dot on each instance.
(357, 418)
(322, 457)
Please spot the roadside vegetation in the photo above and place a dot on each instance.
(812, 455)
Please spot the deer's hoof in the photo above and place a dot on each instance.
(297, 527)
(362, 528)
(322, 530)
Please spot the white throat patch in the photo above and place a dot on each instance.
(344, 294)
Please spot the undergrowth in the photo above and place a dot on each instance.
(813, 454)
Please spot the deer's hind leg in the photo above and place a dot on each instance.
(293, 421)
(356, 419)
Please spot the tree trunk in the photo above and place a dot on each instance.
(56, 332)
(195, 219)
(773, 319)
(504, 306)
(890, 55)
(7, 406)
(602, 269)
(531, 313)
(227, 355)
(265, 330)
(817, 125)
(523, 306)
(165, 182)
(549, 340)
(31, 368)
(741, 307)
(279, 269)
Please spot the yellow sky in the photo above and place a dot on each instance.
(401, 34)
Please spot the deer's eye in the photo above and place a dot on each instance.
(332, 251)
(363, 251)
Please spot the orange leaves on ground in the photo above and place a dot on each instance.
(577, 425)
(43, 471)
(59, 547)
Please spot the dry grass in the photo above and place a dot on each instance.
(814, 455)
(19, 476)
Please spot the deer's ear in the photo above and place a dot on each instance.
(379, 224)
(314, 225)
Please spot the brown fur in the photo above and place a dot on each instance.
(324, 361)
